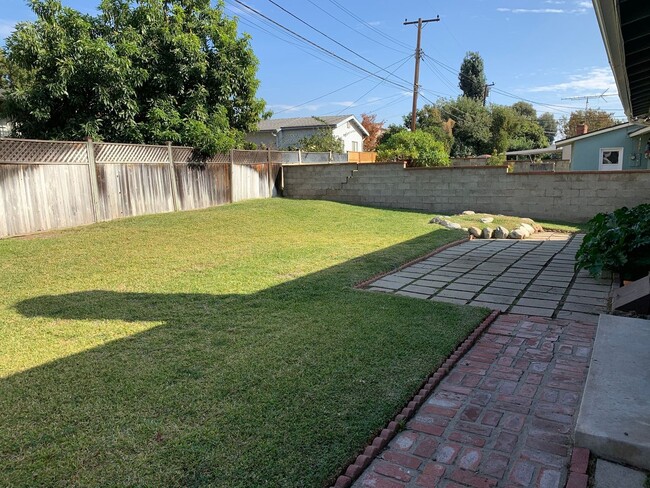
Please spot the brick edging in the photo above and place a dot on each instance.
(354, 470)
(363, 284)
(578, 476)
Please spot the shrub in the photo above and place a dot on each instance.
(417, 148)
(618, 242)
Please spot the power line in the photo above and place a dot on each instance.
(254, 24)
(377, 85)
(337, 90)
(303, 38)
(403, 51)
(332, 39)
(369, 26)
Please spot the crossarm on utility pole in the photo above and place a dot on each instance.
(418, 56)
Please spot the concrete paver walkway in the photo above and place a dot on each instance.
(503, 416)
(531, 277)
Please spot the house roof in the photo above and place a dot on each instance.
(309, 122)
(640, 132)
(532, 152)
(626, 32)
(570, 140)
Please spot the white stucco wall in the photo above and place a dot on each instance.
(5, 128)
(349, 133)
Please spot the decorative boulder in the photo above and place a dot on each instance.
(474, 232)
(487, 220)
(437, 220)
(453, 225)
(516, 234)
(487, 233)
(501, 233)
(528, 227)
(469, 212)
(537, 227)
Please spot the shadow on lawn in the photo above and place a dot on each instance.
(276, 388)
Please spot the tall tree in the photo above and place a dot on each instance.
(471, 130)
(549, 124)
(471, 78)
(374, 128)
(596, 119)
(140, 71)
(525, 109)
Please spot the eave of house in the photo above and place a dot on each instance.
(625, 28)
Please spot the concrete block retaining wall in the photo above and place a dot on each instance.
(566, 196)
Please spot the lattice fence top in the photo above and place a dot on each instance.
(130, 153)
(186, 155)
(42, 152)
(250, 157)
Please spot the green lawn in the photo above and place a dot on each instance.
(223, 347)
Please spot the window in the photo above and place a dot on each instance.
(611, 159)
(355, 146)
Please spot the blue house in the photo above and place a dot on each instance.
(621, 147)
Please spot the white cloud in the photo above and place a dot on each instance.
(555, 2)
(596, 80)
(585, 4)
(344, 104)
(374, 23)
(6, 27)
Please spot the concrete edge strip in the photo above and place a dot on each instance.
(369, 281)
(354, 470)
(578, 476)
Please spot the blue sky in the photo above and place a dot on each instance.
(539, 50)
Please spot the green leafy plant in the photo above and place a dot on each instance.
(418, 148)
(618, 242)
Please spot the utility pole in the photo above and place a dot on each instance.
(486, 92)
(587, 98)
(418, 55)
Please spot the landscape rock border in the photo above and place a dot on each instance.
(526, 228)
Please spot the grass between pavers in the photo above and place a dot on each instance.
(223, 347)
(510, 222)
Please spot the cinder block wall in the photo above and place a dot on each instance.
(568, 196)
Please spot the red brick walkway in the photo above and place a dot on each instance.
(503, 416)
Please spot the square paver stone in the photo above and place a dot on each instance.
(462, 295)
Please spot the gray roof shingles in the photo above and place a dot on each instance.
(297, 122)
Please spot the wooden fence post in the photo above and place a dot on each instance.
(172, 177)
(268, 164)
(232, 181)
(92, 173)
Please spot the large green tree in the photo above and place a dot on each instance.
(430, 119)
(471, 78)
(471, 130)
(418, 148)
(144, 71)
(549, 124)
(594, 118)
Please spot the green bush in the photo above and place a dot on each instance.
(417, 148)
(618, 242)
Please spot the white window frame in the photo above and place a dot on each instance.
(610, 167)
(355, 146)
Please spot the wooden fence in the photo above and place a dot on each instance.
(47, 185)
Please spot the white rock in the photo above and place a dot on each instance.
(487, 220)
(469, 212)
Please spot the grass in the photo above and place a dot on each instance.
(223, 347)
(510, 222)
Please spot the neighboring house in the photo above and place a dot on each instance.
(5, 125)
(621, 147)
(284, 133)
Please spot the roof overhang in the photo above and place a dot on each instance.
(354, 120)
(534, 152)
(625, 27)
(573, 139)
